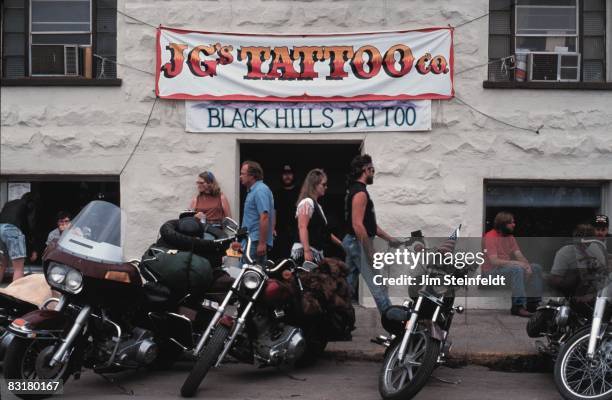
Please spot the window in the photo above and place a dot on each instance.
(547, 40)
(59, 38)
(547, 211)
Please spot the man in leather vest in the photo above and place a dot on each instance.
(362, 228)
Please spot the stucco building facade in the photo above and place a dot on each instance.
(430, 180)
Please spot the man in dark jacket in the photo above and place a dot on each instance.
(16, 223)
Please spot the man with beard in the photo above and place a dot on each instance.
(504, 257)
(362, 228)
(285, 200)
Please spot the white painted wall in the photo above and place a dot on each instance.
(428, 180)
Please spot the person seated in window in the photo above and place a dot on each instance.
(210, 203)
(504, 257)
(63, 223)
(601, 225)
(564, 274)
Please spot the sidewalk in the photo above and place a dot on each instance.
(492, 338)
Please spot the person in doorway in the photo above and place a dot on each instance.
(258, 214)
(285, 225)
(312, 229)
(63, 223)
(210, 203)
(504, 257)
(17, 223)
(362, 228)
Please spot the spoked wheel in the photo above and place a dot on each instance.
(208, 358)
(577, 377)
(29, 359)
(404, 379)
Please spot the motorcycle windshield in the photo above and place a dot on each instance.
(95, 233)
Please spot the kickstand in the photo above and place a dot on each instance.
(125, 391)
(458, 381)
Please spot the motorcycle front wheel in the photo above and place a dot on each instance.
(208, 358)
(404, 379)
(29, 359)
(577, 377)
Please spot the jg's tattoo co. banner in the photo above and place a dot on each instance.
(379, 116)
(297, 68)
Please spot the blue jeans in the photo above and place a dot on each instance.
(14, 240)
(357, 262)
(525, 289)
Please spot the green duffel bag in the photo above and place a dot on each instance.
(180, 271)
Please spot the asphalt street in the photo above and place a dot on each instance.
(328, 380)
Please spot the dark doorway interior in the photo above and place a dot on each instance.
(333, 158)
(68, 194)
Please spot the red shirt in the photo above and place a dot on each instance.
(499, 245)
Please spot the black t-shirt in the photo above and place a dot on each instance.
(16, 212)
(369, 217)
(284, 202)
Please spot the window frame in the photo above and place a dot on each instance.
(31, 43)
(61, 80)
(493, 81)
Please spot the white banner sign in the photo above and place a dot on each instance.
(305, 68)
(309, 117)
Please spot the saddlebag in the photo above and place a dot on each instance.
(180, 271)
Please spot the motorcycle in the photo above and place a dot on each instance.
(419, 329)
(583, 369)
(266, 325)
(21, 297)
(109, 318)
(556, 321)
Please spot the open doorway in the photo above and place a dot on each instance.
(68, 193)
(333, 158)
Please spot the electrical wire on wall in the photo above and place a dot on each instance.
(506, 63)
(140, 138)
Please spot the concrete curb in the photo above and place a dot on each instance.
(508, 362)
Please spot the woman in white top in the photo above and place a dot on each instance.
(312, 230)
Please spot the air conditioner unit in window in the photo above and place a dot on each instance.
(554, 67)
(71, 60)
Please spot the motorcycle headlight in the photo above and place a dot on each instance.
(251, 280)
(57, 274)
(74, 281)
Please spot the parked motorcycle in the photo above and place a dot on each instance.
(21, 297)
(109, 319)
(557, 320)
(560, 318)
(419, 329)
(583, 369)
(266, 326)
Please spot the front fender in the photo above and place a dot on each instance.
(38, 322)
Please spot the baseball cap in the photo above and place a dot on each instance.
(287, 168)
(601, 221)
